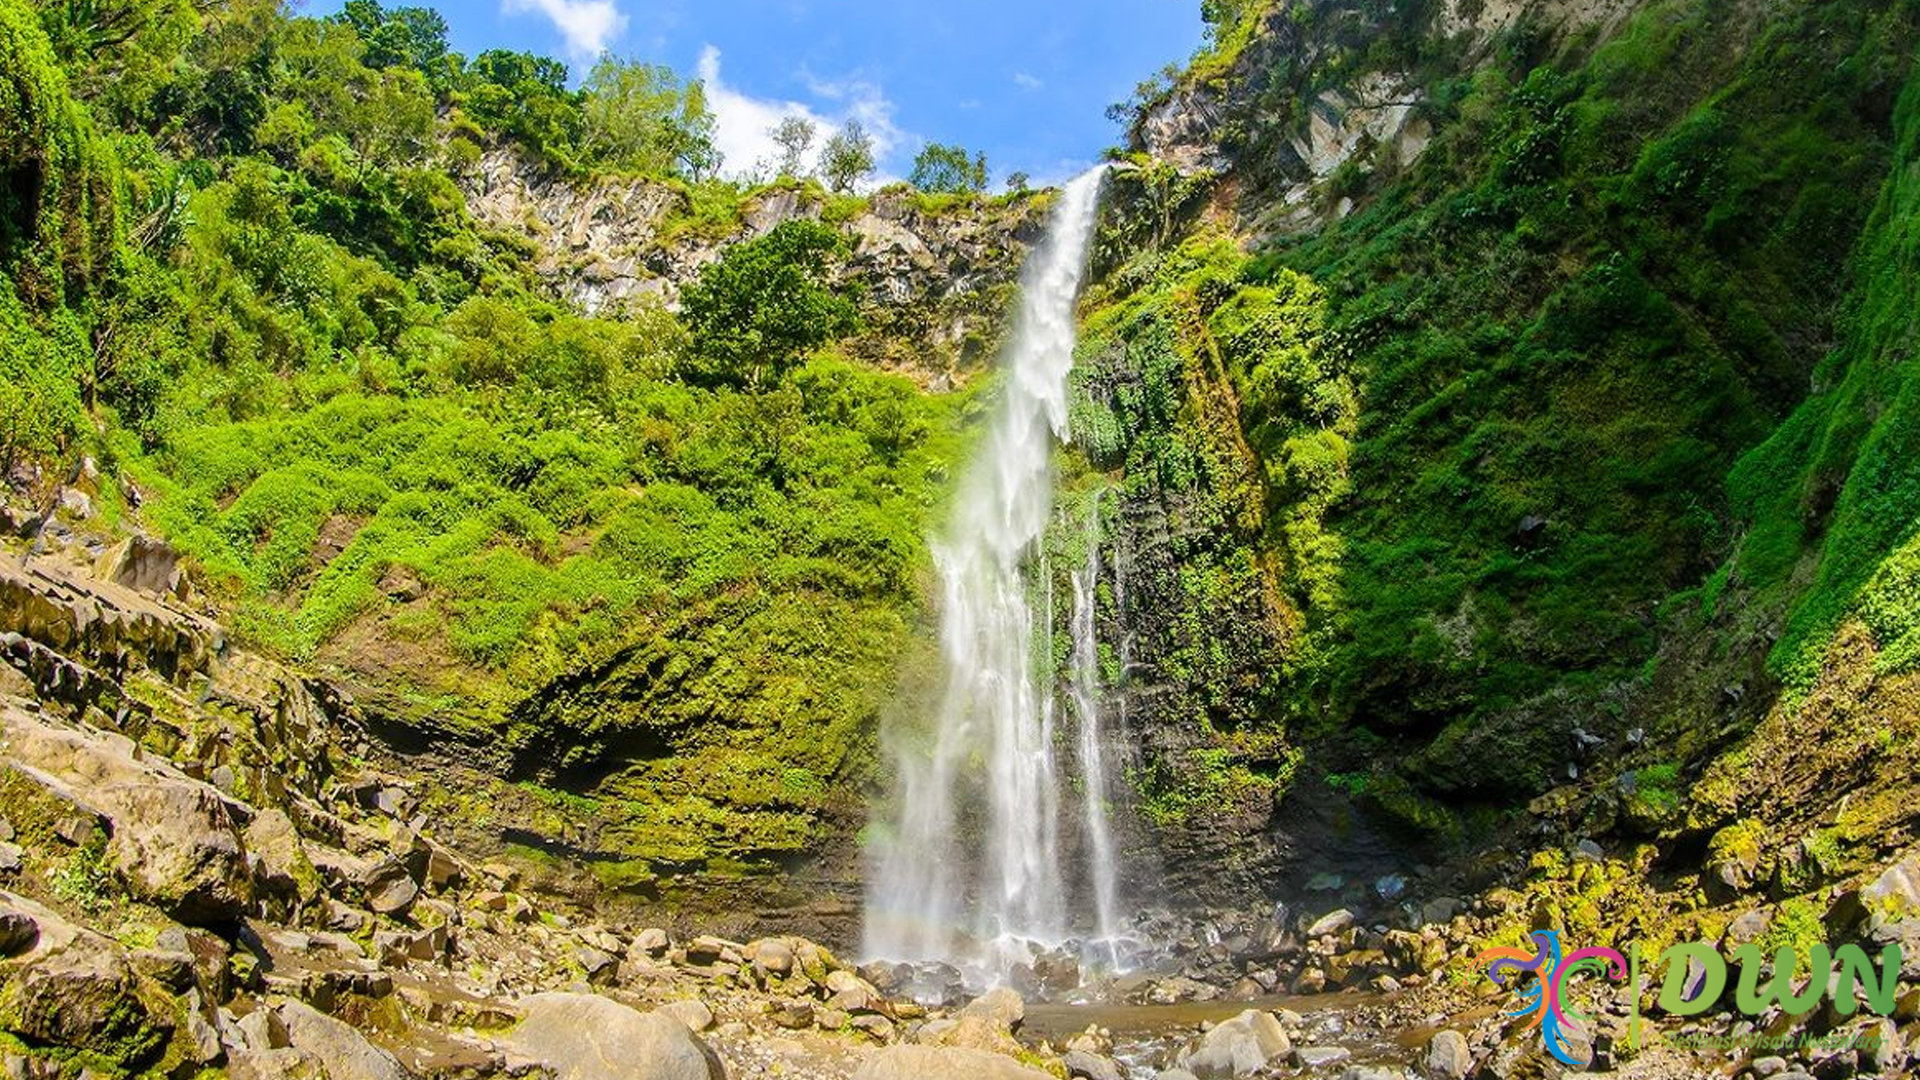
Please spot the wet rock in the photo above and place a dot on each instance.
(587, 1037)
(1001, 1007)
(1242, 1046)
(1057, 971)
(1448, 1057)
(1082, 1065)
(942, 1063)
(1331, 923)
(1319, 1057)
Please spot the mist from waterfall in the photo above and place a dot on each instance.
(966, 864)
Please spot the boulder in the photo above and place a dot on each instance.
(173, 841)
(389, 888)
(649, 942)
(1448, 1056)
(1319, 1057)
(18, 932)
(771, 956)
(1242, 1046)
(1000, 1006)
(280, 864)
(76, 989)
(942, 1063)
(587, 1037)
(1331, 923)
(1082, 1065)
(691, 1012)
(341, 1051)
(144, 563)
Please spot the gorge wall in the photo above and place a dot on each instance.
(1465, 369)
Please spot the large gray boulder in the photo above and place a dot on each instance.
(942, 1063)
(1242, 1046)
(588, 1037)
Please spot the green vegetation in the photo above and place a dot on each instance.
(683, 551)
(1840, 478)
(758, 311)
(1602, 284)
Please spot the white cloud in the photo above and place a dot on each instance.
(742, 123)
(1026, 81)
(589, 26)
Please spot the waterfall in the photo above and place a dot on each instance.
(1102, 869)
(992, 745)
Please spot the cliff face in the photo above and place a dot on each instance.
(933, 280)
(1508, 308)
(1322, 92)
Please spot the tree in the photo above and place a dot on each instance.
(642, 117)
(414, 37)
(848, 157)
(947, 168)
(526, 97)
(1019, 181)
(758, 310)
(794, 135)
(1221, 16)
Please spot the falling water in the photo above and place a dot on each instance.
(1102, 870)
(993, 740)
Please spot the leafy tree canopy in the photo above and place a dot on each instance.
(943, 167)
(755, 313)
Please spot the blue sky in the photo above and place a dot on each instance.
(1027, 81)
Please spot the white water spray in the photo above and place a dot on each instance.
(993, 739)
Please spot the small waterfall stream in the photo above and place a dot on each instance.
(1102, 868)
(966, 866)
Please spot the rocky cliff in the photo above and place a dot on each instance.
(1453, 336)
(934, 277)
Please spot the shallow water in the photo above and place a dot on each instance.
(1146, 1037)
